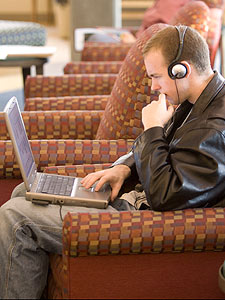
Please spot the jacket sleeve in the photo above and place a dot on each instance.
(127, 159)
(187, 173)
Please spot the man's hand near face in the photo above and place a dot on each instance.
(156, 113)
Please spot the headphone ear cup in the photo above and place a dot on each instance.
(177, 71)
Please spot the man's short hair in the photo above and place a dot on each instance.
(195, 49)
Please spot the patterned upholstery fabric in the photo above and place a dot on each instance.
(69, 85)
(97, 102)
(161, 12)
(144, 232)
(209, 24)
(121, 118)
(195, 14)
(131, 92)
(77, 170)
(139, 234)
(194, 10)
(57, 124)
(215, 3)
(214, 33)
(22, 33)
(86, 67)
(104, 51)
(71, 157)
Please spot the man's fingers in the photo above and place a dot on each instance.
(102, 181)
(115, 192)
(90, 179)
(162, 97)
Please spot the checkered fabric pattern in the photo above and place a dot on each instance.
(96, 102)
(128, 233)
(69, 85)
(78, 170)
(22, 33)
(215, 26)
(131, 92)
(138, 232)
(72, 157)
(133, 232)
(100, 51)
(86, 67)
(209, 16)
(57, 124)
(192, 11)
(215, 3)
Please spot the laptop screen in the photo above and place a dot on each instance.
(20, 137)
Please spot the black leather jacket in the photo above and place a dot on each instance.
(183, 165)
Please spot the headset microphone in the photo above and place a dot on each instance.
(176, 69)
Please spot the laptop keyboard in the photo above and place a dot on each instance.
(56, 185)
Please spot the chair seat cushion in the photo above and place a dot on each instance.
(22, 33)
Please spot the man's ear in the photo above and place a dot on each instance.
(188, 67)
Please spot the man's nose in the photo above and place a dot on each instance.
(155, 86)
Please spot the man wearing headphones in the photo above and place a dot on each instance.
(179, 159)
(177, 162)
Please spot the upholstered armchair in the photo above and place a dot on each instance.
(91, 102)
(195, 14)
(141, 254)
(69, 88)
(86, 67)
(69, 85)
(121, 117)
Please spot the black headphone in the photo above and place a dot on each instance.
(177, 70)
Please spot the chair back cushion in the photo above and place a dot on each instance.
(215, 25)
(161, 12)
(215, 3)
(206, 17)
(131, 92)
(103, 51)
(195, 14)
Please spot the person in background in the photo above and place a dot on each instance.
(161, 12)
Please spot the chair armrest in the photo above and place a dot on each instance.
(96, 102)
(69, 85)
(86, 67)
(77, 170)
(105, 51)
(57, 124)
(69, 153)
(133, 232)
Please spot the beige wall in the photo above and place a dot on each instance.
(22, 9)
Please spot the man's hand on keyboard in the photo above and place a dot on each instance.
(115, 176)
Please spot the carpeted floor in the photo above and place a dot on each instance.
(4, 98)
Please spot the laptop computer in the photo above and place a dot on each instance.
(44, 188)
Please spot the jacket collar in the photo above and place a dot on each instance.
(209, 93)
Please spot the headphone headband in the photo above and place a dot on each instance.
(181, 42)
